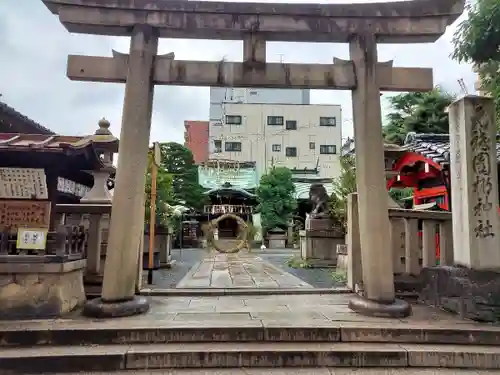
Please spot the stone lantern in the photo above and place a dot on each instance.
(105, 145)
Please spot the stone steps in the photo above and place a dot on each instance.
(118, 332)
(245, 355)
(69, 346)
(113, 346)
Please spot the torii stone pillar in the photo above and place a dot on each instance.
(374, 227)
(127, 218)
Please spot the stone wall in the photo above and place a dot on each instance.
(31, 291)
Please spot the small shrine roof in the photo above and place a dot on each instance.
(58, 143)
(12, 121)
(87, 152)
(42, 143)
(240, 176)
(434, 146)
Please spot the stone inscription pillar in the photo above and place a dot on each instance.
(127, 219)
(375, 240)
(474, 183)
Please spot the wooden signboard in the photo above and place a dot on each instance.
(31, 238)
(16, 214)
(23, 183)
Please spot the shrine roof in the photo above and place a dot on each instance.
(238, 175)
(43, 143)
(12, 121)
(435, 146)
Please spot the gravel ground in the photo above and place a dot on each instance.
(317, 277)
(184, 260)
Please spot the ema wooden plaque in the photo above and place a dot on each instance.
(16, 214)
(23, 183)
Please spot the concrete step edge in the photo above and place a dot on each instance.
(227, 355)
(111, 332)
(195, 292)
(291, 371)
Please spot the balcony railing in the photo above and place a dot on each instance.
(227, 209)
(67, 243)
(415, 246)
(419, 239)
(95, 219)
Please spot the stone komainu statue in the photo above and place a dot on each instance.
(319, 199)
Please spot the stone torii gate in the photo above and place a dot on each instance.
(360, 25)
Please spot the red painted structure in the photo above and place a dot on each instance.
(196, 139)
(422, 174)
(426, 177)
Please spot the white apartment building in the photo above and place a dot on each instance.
(220, 96)
(291, 135)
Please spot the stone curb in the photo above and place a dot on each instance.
(191, 292)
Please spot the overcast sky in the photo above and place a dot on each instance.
(34, 48)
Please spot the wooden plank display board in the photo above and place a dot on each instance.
(31, 238)
(15, 214)
(23, 183)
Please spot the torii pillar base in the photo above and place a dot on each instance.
(99, 308)
(397, 308)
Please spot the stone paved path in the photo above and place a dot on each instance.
(242, 270)
(309, 310)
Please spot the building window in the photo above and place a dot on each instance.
(233, 120)
(291, 125)
(291, 151)
(312, 146)
(328, 149)
(327, 121)
(274, 120)
(233, 146)
(276, 148)
(217, 146)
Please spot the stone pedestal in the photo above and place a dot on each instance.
(472, 294)
(354, 269)
(318, 242)
(166, 251)
(342, 258)
(40, 290)
(277, 239)
(162, 248)
(471, 288)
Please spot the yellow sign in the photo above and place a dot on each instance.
(31, 238)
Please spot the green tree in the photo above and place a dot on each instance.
(343, 185)
(275, 195)
(477, 40)
(164, 194)
(178, 161)
(420, 112)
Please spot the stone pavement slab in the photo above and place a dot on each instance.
(241, 270)
(328, 310)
